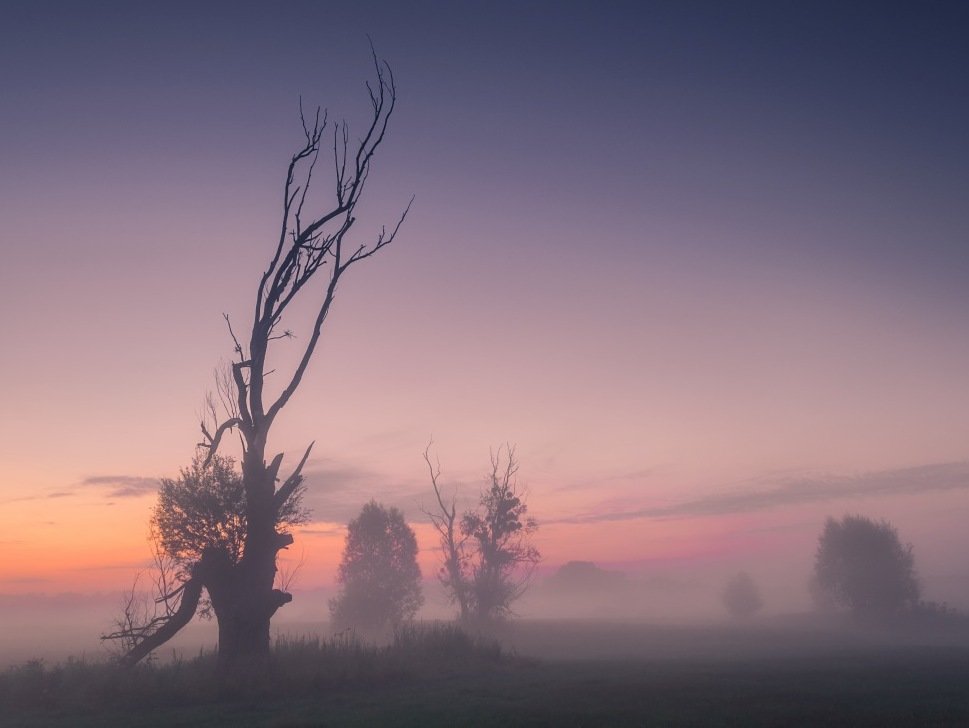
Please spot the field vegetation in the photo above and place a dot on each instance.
(542, 673)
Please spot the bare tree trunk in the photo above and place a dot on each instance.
(243, 625)
(309, 243)
(191, 594)
(444, 520)
(305, 247)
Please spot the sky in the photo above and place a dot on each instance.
(705, 264)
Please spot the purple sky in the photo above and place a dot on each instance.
(707, 266)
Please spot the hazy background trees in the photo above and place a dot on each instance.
(862, 565)
(741, 597)
(584, 576)
(380, 581)
(488, 557)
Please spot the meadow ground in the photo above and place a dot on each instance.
(635, 675)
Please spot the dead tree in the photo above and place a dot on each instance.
(453, 573)
(488, 559)
(312, 253)
(144, 613)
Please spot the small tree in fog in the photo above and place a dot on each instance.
(379, 576)
(861, 564)
(741, 596)
(585, 577)
(489, 560)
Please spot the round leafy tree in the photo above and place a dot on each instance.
(379, 577)
(741, 596)
(204, 509)
(861, 564)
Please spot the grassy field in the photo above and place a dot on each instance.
(438, 677)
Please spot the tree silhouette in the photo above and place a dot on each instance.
(453, 571)
(200, 517)
(488, 557)
(861, 564)
(205, 509)
(741, 596)
(314, 246)
(379, 576)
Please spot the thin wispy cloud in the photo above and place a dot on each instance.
(43, 496)
(763, 494)
(326, 476)
(321, 531)
(336, 493)
(640, 475)
(124, 486)
(25, 580)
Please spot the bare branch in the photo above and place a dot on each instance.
(383, 239)
(235, 339)
(452, 575)
(313, 250)
(292, 482)
(286, 575)
(212, 440)
(166, 628)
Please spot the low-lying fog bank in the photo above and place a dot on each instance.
(807, 635)
(784, 636)
(580, 611)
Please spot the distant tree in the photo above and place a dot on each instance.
(453, 573)
(861, 564)
(379, 576)
(585, 576)
(741, 596)
(489, 560)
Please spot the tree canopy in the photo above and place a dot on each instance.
(488, 556)
(741, 596)
(862, 565)
(379, 576)
(205, 508)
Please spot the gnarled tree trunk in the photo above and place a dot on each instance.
(243, 595)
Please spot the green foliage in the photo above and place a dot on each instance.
(861, 564)
(344, 682)
(300, 668)
(205, 508)
(379, 576)
(202, 509)
(500, 560)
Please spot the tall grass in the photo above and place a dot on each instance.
(302, 666)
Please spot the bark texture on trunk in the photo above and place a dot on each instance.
(243, 597)
(314, 249)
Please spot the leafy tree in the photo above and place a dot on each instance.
(202, 509)
(205, 509)
(741, 596)
(198, 524)
(861, 564)
(315, 247)
(379, 575)
(489, 560)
